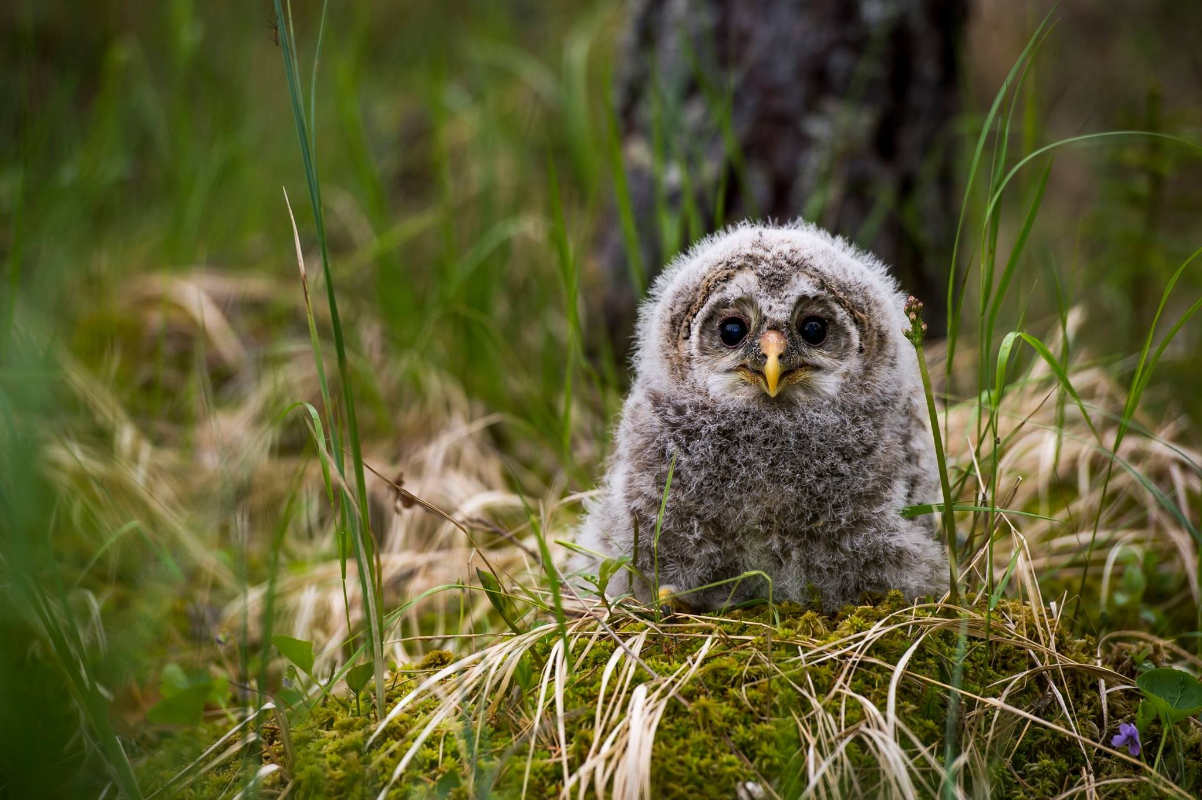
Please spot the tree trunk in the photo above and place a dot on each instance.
(837, 111)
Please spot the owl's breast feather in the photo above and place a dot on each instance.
(800, 469)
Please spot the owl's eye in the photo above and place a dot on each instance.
(813, 330)
(732, 331)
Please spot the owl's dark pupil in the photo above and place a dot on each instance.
(813, 330)
(732, 331)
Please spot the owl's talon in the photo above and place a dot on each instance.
(669, 603)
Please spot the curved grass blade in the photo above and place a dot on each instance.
(953, 305)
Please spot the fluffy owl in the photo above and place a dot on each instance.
(771, 364)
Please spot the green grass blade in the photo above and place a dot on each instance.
(1015, 253)
(1143, 370)
(659, 524)
(321, 36)
(358, 522)
(910, 512)
(1000, 589)
(569, 273)
(267, 620)
(551, 571)
(630, 232)
(953, 304)
(1062, 375)
(915, 336)
(1088, 138)
(1139, 382)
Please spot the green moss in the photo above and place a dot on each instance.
(764, 682)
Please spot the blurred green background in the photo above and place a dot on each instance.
(146, 137)
(143, 142)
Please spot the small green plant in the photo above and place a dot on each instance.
(357, 679)
(916, 333)
(606, 569)
(1172, 696)
(298, 651)
(186, 695)
(501, 601)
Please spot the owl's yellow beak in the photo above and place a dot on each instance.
(772, 345)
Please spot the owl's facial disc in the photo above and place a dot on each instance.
(796, 352)
(770, 345)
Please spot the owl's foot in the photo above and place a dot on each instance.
(749, 790)
(669, 603)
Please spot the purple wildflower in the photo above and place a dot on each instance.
(1128, 735)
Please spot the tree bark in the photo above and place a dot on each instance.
(837, 111)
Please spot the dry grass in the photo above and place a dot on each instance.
(446, 455)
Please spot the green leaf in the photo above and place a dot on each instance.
(502, 602)
(290, 697)
(448, 783)
(1144, 715)
(219, 690)
(1017, 249)
(1134, 583)
(358, 677)
(298, 651)
(610, 567)
(184, 707)
(1173, 693)
(523, 673)
(1001, 587)
(172, 679)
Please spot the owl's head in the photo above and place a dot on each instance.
(770, 315)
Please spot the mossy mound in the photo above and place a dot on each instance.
(780, 697)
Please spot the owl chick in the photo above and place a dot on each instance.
(770, 364)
